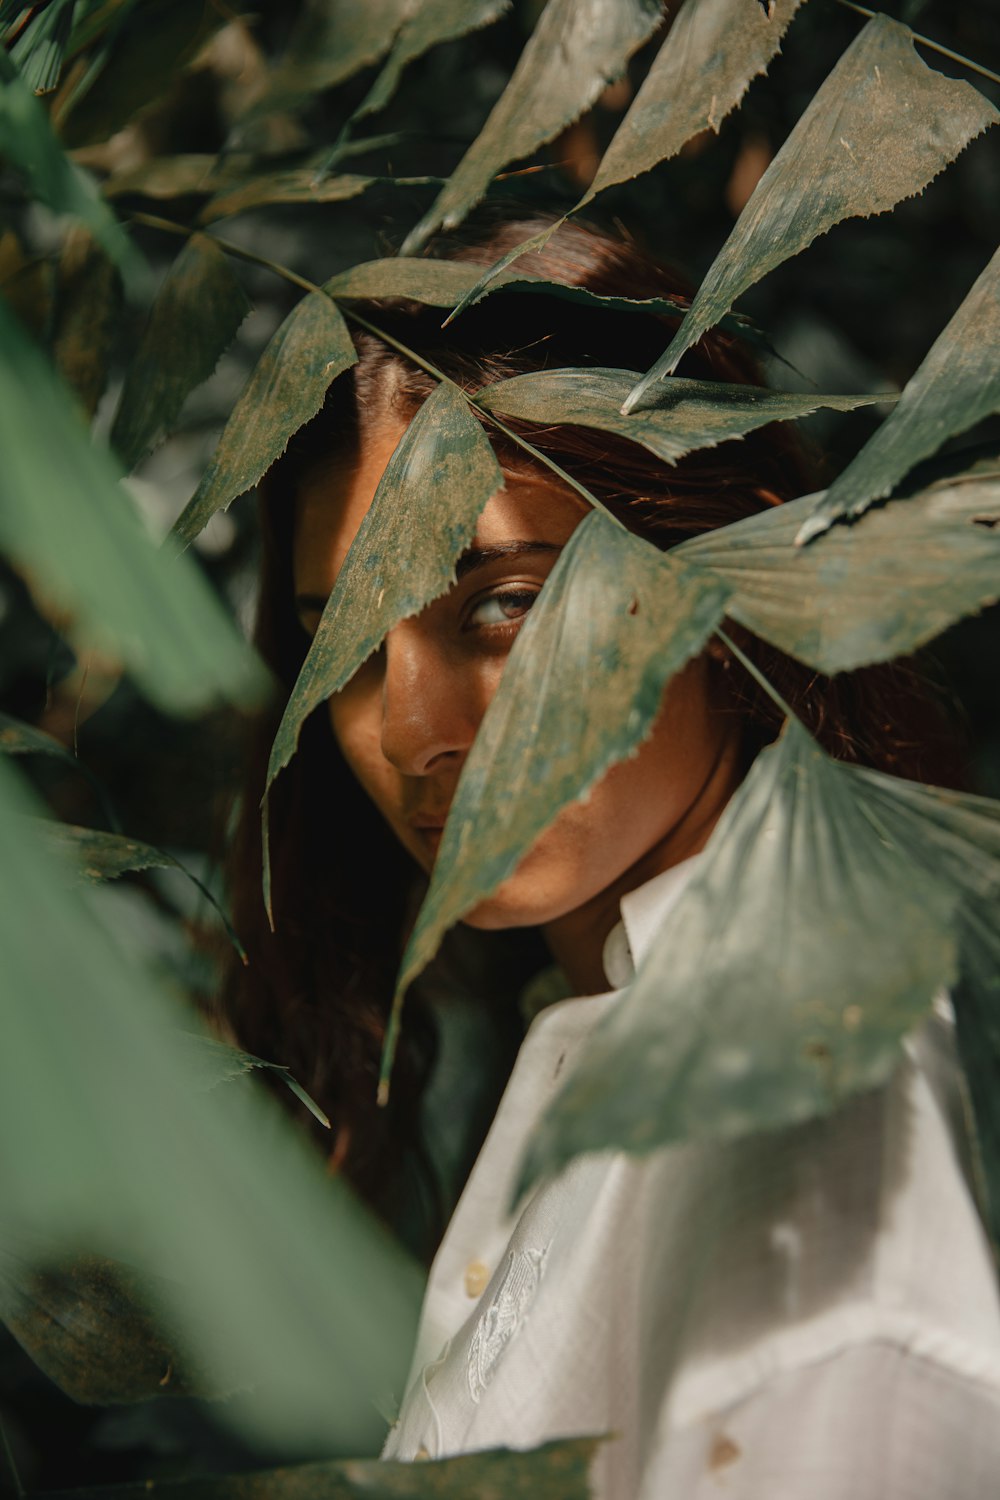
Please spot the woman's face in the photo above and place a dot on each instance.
(406, 721)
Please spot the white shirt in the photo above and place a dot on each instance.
(809, 1314)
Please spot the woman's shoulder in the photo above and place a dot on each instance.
(664, 1296)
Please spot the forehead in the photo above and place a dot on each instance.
(333, 503)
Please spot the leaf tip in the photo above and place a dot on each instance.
(634, 396)
(812, 527)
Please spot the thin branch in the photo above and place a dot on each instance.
(757, 675)
(925, 41)
(169, 226)
(509, 432)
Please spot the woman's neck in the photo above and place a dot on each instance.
(576, 940)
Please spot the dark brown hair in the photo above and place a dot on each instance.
(316, 992)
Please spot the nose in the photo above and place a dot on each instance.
(430, 710)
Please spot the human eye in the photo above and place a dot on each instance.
(500, 607)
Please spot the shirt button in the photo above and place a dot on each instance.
(616, 958)
(477, 1277)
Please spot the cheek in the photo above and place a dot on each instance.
(632, 810)
(683, 749)
(356, 720)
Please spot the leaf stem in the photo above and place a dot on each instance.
(287, 274)
(219, 910)
(757, 675)
(509, 432)
(169, 226)
(925, 41)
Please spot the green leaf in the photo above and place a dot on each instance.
(580, 691)
(86, 1323)
(275, 1279)
(955, 838)
(687, 414)
(66, 521)
(17, 738)
(878, 130)
(493, 278)
(555, 1471)
(713, 51)
(100, 856)
(433, 489)
(299, 185)
(196, 173)
(329, 43)
(213, 1062)
(428, 25)
(436, 283)
(956, 386)
(864, 593)
(446, 283)
(28, 143)
(977, 1009)
(88, 305)
(575, 50)
(194, 317)
(287, 387)
(781, 982)
(38, 51)
(443, 283)
(145, 48)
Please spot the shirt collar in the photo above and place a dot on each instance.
(643, 912)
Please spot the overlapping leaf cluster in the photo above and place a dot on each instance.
(886, 891)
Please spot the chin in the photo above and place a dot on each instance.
(521, 902)
(493, 916)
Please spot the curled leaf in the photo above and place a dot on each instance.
(212, 1062)
(100, 856)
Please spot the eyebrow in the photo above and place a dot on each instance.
(471, 559)
(480, 557)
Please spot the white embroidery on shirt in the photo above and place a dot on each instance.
(506, 1313)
